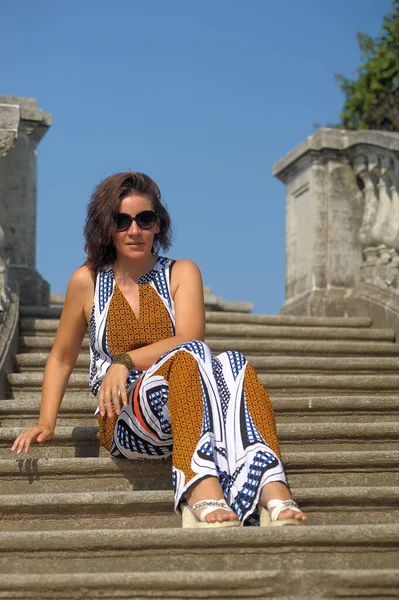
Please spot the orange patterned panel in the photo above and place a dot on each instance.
(125, 332)
(261, 409)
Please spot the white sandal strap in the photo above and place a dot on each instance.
(279, 506)
(210, 506)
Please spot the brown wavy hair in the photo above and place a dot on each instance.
(102, 211)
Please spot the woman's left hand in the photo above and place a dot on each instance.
(113, 388)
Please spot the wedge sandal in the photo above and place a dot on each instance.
(190, 520)
(268, 516)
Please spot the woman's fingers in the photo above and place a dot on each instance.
(108, 403)
(113, 390)
(39, 433)
(104, 400)
(123, 395)
(115, 396)
(101, 402)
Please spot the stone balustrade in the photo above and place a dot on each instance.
(377, 174)
(4, 286)
(22, 125)
(342, 229)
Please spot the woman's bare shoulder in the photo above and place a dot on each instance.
(81, 280)
(185, 267)
(185, 273)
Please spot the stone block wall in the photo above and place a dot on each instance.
(22, 126)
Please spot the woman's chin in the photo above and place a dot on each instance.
(136, 250)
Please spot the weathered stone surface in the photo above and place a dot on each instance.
(284, 584)
(78, 410)
(281, 384)
(259, 346)
(154, 509)
(176, 549)
(54, 312)
(82, 441)
(271, 364)
(18, 183)
(9, 122)
(82, 514)
(342, 229)
(242, 330)
(21, 474)
(9, 323)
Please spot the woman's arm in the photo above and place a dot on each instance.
(188, 295)
(62, 359)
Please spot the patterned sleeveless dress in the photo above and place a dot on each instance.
(211, 413)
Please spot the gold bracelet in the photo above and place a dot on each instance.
(125, 360)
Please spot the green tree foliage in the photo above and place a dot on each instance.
(372, 99)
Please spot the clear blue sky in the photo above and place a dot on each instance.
(202, 95)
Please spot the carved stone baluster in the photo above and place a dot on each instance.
(4, 290)
(394, 241)
(368, 177)
(380, 229)
(368, 268)
(392, 280)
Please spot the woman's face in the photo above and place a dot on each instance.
(135, 242)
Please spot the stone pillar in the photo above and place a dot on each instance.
(22, 126)
(341, 202)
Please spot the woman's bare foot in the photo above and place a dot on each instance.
(206, 489)
(279, 491)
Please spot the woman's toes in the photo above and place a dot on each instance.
(292, 514)
(220, 516)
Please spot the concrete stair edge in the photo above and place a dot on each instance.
(286, 431)
(161, 539)
(312, 584)
(245, 330)
(24, 466)
(40, 312)
(272, 345)
(151, 499)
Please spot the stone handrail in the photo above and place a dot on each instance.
(342, 241)
(9, 314)
(4, 287)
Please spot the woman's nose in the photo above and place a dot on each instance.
(134, 229)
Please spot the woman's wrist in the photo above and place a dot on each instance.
(46, 424)
(124, 359)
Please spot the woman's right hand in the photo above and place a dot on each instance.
(37, 433)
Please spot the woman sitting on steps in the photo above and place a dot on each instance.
(160, 389)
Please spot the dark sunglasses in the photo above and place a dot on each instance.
(145, 219)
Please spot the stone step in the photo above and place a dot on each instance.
(277, 384)
(22, 475)
(43, 312)
(287, 320)
(79, 409)
(309, 584)
(211, 302)
(291, 347)
(38, 327)
(253, 548)
(154, 509)
(319, 437)
(34, 361)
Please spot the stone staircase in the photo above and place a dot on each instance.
(75, 523)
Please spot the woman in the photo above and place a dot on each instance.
(152, 373)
